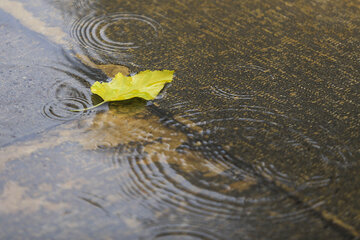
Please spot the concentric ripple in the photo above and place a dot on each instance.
(173, 232)
(66, 88)
(271, 140)
(159, 176)
(243, 90)
(275, 145)
(62, 109)
(228, 93)
(115, 32)
(66, 95)
(209, 174)
(242, 87)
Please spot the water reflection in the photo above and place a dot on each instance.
(226, 143)
(163, 169)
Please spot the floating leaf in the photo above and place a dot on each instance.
(146, 85)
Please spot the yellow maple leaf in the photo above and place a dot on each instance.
(146, 85)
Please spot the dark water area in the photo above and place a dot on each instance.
(257, 137)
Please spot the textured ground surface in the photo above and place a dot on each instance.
(256, 138)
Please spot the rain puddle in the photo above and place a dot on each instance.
(257, 137)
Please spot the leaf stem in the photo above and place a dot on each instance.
(85, 109)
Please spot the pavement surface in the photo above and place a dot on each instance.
(257, 137)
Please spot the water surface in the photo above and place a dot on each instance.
(257, 137)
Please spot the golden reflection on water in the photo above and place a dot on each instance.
(148, 170)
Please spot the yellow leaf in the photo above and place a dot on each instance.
(146, 85)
